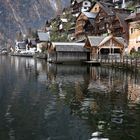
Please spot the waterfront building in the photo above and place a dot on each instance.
(108, 46)
(106, 20)
(64, 52)
(20, 46)
(133, 21)
(110, 20)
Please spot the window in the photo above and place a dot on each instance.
(95, 9)
(138, 10)
(138, 49)
(86, 3)
(107, 25)
(138, 39)
(132, 30)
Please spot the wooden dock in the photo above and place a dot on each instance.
(125, 62)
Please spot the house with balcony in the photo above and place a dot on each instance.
(84, 25)
(110, 20)
(105, 20)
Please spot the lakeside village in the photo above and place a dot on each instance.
(87, 31)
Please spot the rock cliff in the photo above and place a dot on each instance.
(20, 15)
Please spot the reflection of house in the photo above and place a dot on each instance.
(104, 80)
(133, 90)
(98, 87)
(100, 45)
(134, 30)
(134, 94)
(66, 52)
(66, 73)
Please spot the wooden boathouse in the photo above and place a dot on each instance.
(65, 52)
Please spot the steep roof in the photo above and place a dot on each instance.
(95, 40)
(122, 18)
(118, 39)
(43, 36)
(121, 40)
(133, 17)
(107, 7)
(79, 1)
(89, 14)
(69, 47)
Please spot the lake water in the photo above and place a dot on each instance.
(40, 101)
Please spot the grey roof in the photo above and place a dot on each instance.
(33, 42)
(95, 40)
(122, 18)
(21, 45)
(107, 7)
(121, 40)
(90, 14)
(69, 47)
(91, 21)
(118, 39)
(43, 36)
(79, 1)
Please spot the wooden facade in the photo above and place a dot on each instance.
(101, 45)
(80, 23)
(84, 25)
(76, 6)
(84, 22)
(111, 21)
(108, 20)
(92, 44)
(68, 52)
(95, 8)
(111, 45)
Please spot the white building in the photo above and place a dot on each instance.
(86, 5)
(20, 46)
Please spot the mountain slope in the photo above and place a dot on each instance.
(23, 14)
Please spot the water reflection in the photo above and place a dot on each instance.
(59, 102)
